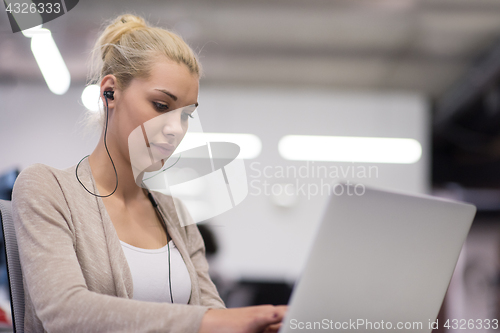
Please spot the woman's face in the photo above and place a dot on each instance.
(149, 119)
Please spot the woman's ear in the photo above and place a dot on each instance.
(108, 86)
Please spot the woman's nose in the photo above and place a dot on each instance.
(174, 125)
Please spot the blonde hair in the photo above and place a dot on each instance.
(128, 47)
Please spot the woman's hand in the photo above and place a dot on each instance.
(252, 319)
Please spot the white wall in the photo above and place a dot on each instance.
(37, 126)
(262, 240)
(258, 239)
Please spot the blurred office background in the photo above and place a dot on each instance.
(425, 70)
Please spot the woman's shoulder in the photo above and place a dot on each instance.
(39, 178)
(178, 216)
(39, 169)
(177, 213)
(175, 208)
(38, 191)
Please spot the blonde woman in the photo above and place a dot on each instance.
(98, 252)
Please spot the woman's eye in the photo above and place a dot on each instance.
(160, 106)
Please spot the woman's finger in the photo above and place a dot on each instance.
(272, 328)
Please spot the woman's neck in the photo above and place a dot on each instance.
(104, 173)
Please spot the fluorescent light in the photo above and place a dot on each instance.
(90, 97)
(250, 144)
(350, 149)
(50, 61)
(32, 31)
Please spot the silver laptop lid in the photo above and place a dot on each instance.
(380, 261)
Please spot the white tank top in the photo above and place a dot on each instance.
(150, 276)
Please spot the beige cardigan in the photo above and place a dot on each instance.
(76, 276)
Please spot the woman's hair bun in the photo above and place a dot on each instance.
(120, 26)
(130, 20)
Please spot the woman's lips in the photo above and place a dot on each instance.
(164, 149)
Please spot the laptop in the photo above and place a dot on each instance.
(381, 261)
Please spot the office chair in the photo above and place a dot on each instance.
(13, 266)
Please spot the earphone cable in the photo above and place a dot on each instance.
(169, 274)
(144, 186)
(106, 146)
(178, 158)
(164, 225)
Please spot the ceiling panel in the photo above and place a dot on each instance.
(421, 45)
